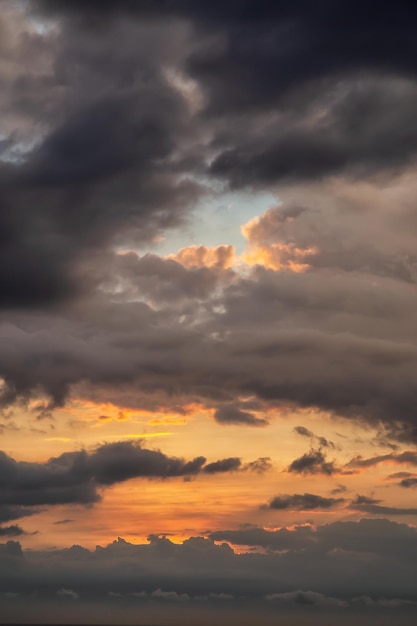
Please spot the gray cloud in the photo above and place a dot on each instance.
(373, 506)
(321, 441)
(303, 502)
(105, 165)
(229, 414)
(357, 133)
(11, 531)
(303, 431)
(113, 148)
(338, 489)
(341, 346)
(409, 482)
(11, 512)
(225, 465)
(313, 462)
(307, 362)
(261, 465)
(409, 457)
(302, 558)
(79, 477)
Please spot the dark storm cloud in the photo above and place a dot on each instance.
(104, 167)
(117, 140)
(310, 360)
(229, 414)
(359, 134)
(268, 48)
(302, 502)
(78, 477)
(327, 352)
(111, 152)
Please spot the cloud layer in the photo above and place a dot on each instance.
(373, 569)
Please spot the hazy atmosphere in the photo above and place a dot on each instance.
(208, 329)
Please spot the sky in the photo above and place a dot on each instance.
(208, 331)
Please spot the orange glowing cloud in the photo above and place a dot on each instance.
(279, 256)
(267, 243)
(220, 257)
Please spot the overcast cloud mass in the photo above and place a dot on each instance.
(208, 235)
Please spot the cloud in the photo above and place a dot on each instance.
(291, 149)
(104, 164)
(11, 531)
(67, 594)
(373, 506)
(338, 489)
(399, 475)
(230, 414)
(302, 502)
(12, 512)
(106, 343)
(225, 465)
(307, 598)
(322, 441)
(365, 536)
(303, 431)
(220, 257)
(102, 153)
(343, 560)
(171, 280)
(312, 462)
(409, 457)
(79, 477)
(261, 465)
(312, 502)
(409, 482)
